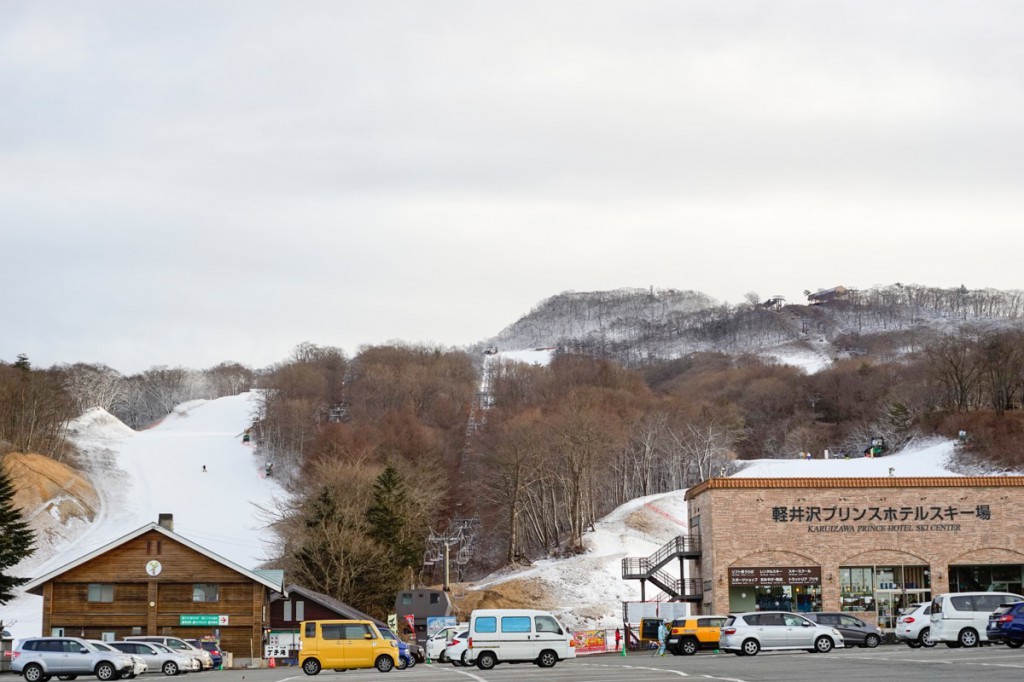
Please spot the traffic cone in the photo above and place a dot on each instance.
(272, 664)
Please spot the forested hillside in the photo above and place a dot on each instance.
(647, 392)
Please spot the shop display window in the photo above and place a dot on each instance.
(994, 578)
(857, 588)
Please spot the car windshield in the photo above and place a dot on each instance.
(387, 634)
(161, 648)
(101, 646)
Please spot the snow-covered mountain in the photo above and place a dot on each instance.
(138, 475)
(637, 326)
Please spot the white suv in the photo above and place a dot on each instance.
(745, 634)
(913, 626)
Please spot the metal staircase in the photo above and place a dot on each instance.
(681, 547)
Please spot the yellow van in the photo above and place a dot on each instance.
(344, 645)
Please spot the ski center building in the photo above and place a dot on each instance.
(864, 545)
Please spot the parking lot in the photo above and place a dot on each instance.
(885, 663)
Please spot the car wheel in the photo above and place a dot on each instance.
(442, 658)
(688, 647)
(1014, 644)
(547, 659)
(402, 663)
(486, 660)
(967, 637)
(311, 666)
(169, 668)
(32, 673)
(384, 664)
(914, 644)
(105, 671)
(412, 660)
(925, 638)
(871, 641)
(823, 645)
(750, 647)
(464, 658)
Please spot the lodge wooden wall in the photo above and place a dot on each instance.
(242, 600)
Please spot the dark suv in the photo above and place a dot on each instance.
(1006, 624)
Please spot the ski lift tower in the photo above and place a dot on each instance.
(458, 540)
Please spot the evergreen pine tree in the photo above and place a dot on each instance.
(16, 538)
(388, 518)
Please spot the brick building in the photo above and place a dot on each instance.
(865, 545)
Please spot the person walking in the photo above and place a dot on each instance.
(662, 637)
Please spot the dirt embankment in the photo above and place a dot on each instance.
(49, 493)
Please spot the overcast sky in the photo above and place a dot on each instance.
(184, 183)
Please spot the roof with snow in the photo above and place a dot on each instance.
(873, 482)
(35, 586)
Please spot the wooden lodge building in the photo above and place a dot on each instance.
(155, 582)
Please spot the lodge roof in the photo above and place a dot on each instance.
(341, 608)
(36, 586)
(875, 482)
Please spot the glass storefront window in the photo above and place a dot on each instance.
(857, 588)
(995, 578)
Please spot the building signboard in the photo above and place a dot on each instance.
(786, 575)
(202, 619)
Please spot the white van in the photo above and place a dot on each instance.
(960, 618)
(517, 636)
(438, 641)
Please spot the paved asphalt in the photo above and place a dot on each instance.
(884, 664)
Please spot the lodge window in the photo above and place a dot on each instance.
(406, 599)
(205, 592)
(435, 598)
(100, 593)
(286, 614)
(300, 610)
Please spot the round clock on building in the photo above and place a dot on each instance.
(154, 567)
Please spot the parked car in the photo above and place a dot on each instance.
(856, 632)
(745, 634)
(159, 657)
(213, 648)
(455, 652)
(961, 618)
(517, 636)
(689, 635)
(1006, 625)
(344, 645)
(437, 642)
(405, 658)
(179, 645)
(416, 651)
(39, 658)
(913, 626)
(140, 666)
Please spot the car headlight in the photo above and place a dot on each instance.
(836, 632)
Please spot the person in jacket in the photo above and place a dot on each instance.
(662, 637)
